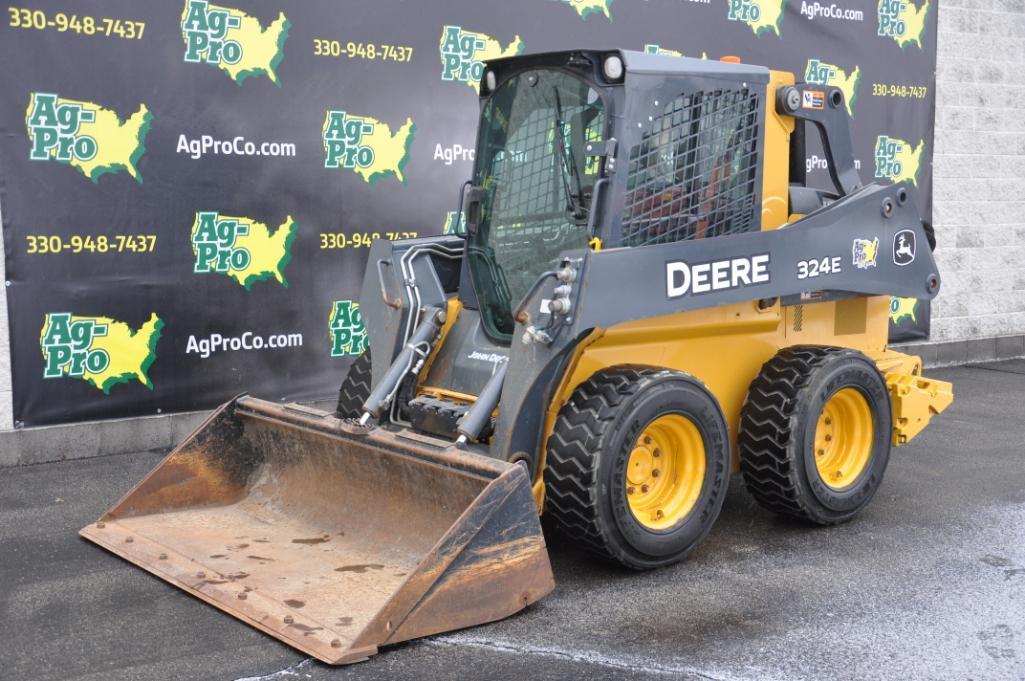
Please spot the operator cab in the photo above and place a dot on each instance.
(537, 185)
(549, 128)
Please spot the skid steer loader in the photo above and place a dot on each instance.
(643, 297)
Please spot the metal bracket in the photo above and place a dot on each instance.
(823, 105)
(606, 148)
(601, 148)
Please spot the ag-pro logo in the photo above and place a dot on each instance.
(651, 48)
(241, 248)
(366, 146)
(54, 128)
(759, 15)
(586, 8)
(864, 253)
(455, 223)
(463, 54)
(821, 73)
(91, 139)
(98, 350)
(902, 21)
(903, 308)
(897, 160)
(346, 328)
(233, 41)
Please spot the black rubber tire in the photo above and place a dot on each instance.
(588, 451)
(930, 234)
(355, 388)
(777, 432)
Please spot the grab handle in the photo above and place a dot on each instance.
(390, 302)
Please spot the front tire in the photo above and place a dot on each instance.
(355, 388)
(638, 465)
(815, 434)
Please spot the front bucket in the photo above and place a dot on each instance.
(331, 538)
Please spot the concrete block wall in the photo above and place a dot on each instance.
(979, 169)
(6, 394)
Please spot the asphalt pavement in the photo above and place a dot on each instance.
(929, 583)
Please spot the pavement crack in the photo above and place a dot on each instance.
(286, 673)
(993, 368)
(586, 657)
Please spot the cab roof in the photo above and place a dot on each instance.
(637, 62)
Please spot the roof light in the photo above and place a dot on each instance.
(612, 67)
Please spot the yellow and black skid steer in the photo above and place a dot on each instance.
(644, 297)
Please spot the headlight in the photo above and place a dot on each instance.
(612, 67)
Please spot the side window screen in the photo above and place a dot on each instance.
(693, 174)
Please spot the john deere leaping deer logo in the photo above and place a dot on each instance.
(864, 253)
(903, 248)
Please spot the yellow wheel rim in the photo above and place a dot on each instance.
(844, 436)
(665, 472)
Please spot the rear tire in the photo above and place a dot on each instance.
(815, 434)
(638, 465)
(355, 388)
(930, 234)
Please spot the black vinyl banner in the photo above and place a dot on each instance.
(188, 190)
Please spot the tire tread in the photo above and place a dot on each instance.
(767, 421)
(355, 388)
(581, 429)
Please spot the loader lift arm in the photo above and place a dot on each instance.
(833, 125)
